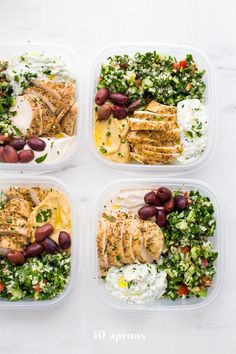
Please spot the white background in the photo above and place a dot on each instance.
(86, 26)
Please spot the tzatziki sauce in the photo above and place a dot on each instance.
(136, 283)
(192, 120)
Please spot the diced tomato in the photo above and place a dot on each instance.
(2, 287)
(176, 66)
(206, 281)
(37, 288)
(183, 64)
(185, 249)
(204, 262)
(183, 290)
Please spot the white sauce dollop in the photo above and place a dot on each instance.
(192, 119)
(56, 149)
(136, 283)
(45, 67)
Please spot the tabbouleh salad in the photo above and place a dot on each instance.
(188, 256)
(40, 278)
(151, 75)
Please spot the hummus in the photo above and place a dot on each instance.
(57, 209)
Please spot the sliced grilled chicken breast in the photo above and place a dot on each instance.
(20, 206)
(145, 115)
(69, 120)
(156, 107)
(140, 124)
(27, 111)
(156, 138)
(127, 240)
(144, 160)
(153, 239)
(103, 224)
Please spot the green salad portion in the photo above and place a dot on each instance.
(40, 278)
(188, 257)
(6, 101)
(153, 76)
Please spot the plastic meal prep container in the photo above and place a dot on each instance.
(71, 60)
(47, 182)
(162, 304)
(179, 51)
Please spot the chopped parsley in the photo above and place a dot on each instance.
(151, 76)
(102, 150)
(43, 215)
(39, 278)
(187, 246)
(41, 158)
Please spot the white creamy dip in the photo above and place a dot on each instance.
(192, 119)
(128, 200)
(20, 70)
(56, 149)
(136, 283)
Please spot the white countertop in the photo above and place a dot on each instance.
(87, 26)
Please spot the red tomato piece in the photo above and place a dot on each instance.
(183, 290)
(185, 249)
(176, 66)
(37, 288)
(2, 287)
(183, 64)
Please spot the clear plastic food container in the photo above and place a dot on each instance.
(179, 51)
(48, 182)
(162, 304)
(71, 60)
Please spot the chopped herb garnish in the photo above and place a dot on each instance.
(41, 158)
(43, 215)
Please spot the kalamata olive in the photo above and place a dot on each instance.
(181, 202)
(50, 246)
(152, 198)
(119, 112)
(43, 231)
(4, 251)
(16, 257)
(119, 98)
(147, 211)
(2, 154)
(169, 205)
(104, 111)
(64, 240)
(36, 144)
(101, 96)
(10, 154)
(135, 105)
(164, 194)
(33, 250)
(26, 156)
(18, 143)
(161, 218)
